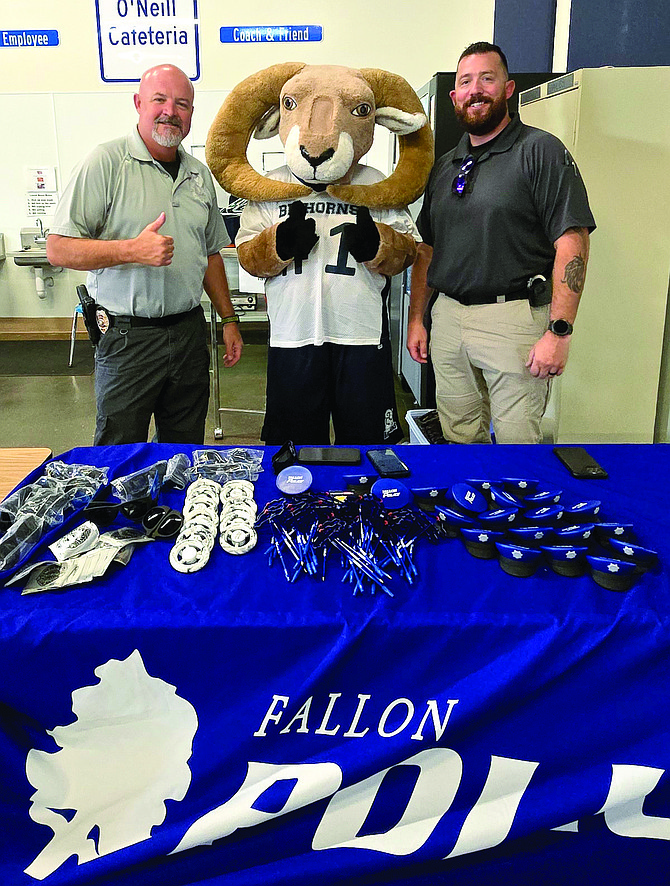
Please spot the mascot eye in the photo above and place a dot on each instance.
(289, 103)
(362, 110)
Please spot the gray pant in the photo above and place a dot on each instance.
(479, 354)
(152, 370)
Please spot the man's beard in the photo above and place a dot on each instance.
(171, 138)
(487, 118)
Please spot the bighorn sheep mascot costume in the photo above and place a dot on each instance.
(327, 234)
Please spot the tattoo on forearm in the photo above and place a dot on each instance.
(574, 274)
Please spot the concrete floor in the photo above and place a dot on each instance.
(59, 411)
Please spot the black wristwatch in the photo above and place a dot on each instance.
(560, 327)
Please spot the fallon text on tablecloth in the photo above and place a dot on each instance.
(146, 729)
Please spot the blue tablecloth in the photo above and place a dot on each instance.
(228, 727)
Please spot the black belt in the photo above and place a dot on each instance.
(489, 299)
(534, 287)
(167, 320)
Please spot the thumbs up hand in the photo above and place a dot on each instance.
(362, 239)
(152, 248)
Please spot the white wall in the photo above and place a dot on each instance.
(55, 107)
(415, 39)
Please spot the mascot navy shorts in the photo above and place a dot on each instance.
(352, 384)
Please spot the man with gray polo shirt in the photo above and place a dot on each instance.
(505, 223)
(140, 215)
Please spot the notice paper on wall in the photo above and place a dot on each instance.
(40, 178)
(41, 193)
(40, 203)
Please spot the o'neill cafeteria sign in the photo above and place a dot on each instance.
(133, 35)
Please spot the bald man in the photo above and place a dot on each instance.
(140, 215)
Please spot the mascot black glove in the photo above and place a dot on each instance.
(362, 239)
(296, 236)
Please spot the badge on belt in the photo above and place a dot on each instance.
(102, 319)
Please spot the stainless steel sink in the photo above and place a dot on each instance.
(31, 257)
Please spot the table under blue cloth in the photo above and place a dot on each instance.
(227, 726)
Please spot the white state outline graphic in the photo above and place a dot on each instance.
(125, 754)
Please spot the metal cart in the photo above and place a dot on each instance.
(242, 303)
(216, 390)
(216, 385)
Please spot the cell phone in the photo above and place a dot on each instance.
(284, 457)
(329, 455)
(580, 464)
(387, 463)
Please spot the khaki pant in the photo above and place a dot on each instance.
(479, 354)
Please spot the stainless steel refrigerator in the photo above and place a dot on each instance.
(614, 121)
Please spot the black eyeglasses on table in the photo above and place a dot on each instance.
(102, 513)
(158, 521)
(162, 522)
(459, 184)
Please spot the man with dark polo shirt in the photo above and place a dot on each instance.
(140, 214)
(505, 223)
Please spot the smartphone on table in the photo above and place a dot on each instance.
(387, 463)
(580, 463)
(329, 455)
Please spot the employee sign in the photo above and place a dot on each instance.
(21, 39)
(134, 35)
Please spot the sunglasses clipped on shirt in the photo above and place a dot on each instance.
(460, 183)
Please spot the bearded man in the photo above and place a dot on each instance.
(140, 215)
(505, 224)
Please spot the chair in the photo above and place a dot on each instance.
(77, 311)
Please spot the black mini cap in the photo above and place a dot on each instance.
(360, 483)
(451, 520)
(532, 535)
(575, 534)
(500, 518)
(518, 560)
(468, 498)
(566, 559)
(543, 496)
(605, 531)
(545, 514)
(504, 499)
(481, 542)
(484, 486)
(583, 511)
(644, 558)
(611, 574)
(520, 485)
(426, 497)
